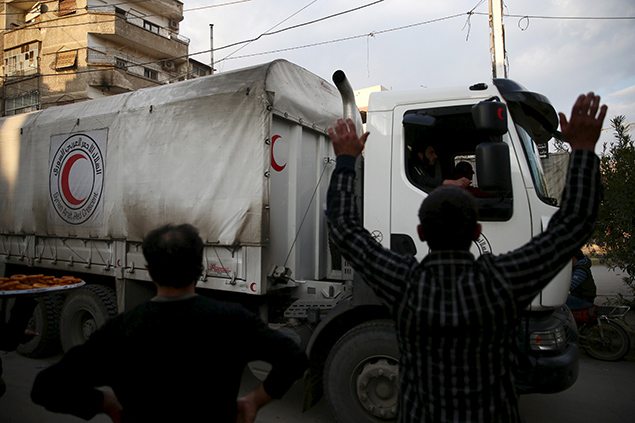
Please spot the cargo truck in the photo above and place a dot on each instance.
(244, 156)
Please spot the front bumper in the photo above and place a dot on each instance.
(549, 374)
(547, 371)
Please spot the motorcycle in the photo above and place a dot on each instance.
(601, 331)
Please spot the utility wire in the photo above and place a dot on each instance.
(74, 9)
(352, 37)
(223, 47)
(468, 21)
(323, 42)
(276, 25)
(215, 5)
(324, 18)
(95, 9)
(590, 18)
(296, 26)
(98, 6)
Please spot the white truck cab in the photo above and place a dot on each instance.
(392, 197)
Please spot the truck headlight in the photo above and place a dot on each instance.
(549, 340)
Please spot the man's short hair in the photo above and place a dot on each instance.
(174, 255)
(463, 169)
(448, 217)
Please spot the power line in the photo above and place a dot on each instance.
(370, 34)
(215, 5)
(468, 21)
(279, 23)
(324, 18)
(77, 8)
(322, 42)
(297, 26)
(273, 51)
(588, 18)
(95, 8)
(248, 41)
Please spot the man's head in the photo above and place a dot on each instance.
(449, 219)
(431, 155)
(578, 255)
(174, 255)
(463, 170)
(427, 154)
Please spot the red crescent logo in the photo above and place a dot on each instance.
(253, 286)
(275, 164)
(66, 189)
(500, 113)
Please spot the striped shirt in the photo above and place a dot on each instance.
(455, 315)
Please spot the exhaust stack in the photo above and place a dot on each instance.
(350, 110)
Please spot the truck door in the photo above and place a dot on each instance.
(448, 130)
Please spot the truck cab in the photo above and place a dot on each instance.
(509, 219)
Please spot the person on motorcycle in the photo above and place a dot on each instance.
(583, 290)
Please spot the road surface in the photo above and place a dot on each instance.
(603, 392)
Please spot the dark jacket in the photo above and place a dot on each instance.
(582, 283)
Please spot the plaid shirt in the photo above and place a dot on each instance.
(455, 316)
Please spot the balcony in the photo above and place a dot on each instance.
(155, 8)
(172, 9)
(138, 33)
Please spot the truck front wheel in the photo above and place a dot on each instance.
(361, 374)
(85, 310)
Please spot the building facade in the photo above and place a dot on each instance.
(64, 51)
(197, 69)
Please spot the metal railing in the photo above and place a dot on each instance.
(138, 20)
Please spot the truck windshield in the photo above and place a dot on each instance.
(535, 166)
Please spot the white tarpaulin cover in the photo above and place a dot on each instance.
(193, 151)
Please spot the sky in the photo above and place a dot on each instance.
(405, 44)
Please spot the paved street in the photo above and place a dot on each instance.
(603, 392)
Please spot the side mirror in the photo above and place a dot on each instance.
(492, 167)
(490, 117)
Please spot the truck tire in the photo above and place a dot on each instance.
(85, 310)
(46, 323)
(361, 374)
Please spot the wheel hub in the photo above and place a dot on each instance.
(88, 327)
(377, 388)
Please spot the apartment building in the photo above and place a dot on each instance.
(64, 51)
(197, 69)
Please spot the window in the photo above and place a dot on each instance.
(21, 60)
(22, 103)
(535, 165)
(443, 148)
(121, 63)
(151, 73)
(150, 26)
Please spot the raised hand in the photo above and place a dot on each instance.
(582, 130)
(345, 140)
